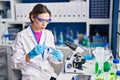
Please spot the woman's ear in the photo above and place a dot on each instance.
(32, 18)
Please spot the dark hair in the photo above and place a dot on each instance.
(39, 9)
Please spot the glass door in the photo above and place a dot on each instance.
(118, 32)
(118, 44)
(119, 19)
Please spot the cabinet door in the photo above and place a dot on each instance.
(2, 31)
(119, 5)
(3, 64)
(119, 21)
(118, 44)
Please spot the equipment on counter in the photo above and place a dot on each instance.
(81, 77)
(74, 63)
(74, 60)
(78, 61)
(74, 47)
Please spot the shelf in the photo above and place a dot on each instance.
(2, 54)
(3, 65)
(5, 9)
(4, 0)
(2, 77)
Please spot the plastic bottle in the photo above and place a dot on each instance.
(106, 46)
(116, 63)
(67, 36)
(8, 13)
(76, 40)
(1, 14)
(5, 38)
(71, 36)
(118, 75)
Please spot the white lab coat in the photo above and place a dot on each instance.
(38, 68)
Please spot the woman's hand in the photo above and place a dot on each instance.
(27, 58)
(57, 54)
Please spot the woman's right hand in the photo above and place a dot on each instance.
(27, 58)
(38, 49)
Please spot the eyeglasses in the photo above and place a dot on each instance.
(43, 20)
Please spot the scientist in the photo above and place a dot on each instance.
(34, 47)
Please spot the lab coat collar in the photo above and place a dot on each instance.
(30, 34)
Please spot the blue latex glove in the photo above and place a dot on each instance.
(57, 54)
(38, 49)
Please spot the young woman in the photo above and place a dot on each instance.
(34, 47)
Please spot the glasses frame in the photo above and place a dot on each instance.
(43, 20)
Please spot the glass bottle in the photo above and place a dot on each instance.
(55, 37)
(71, 36)
(60, 38)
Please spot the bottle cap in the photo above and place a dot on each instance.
(116, 61)
(118, 73)
(106, 44)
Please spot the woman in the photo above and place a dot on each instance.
(34, 47)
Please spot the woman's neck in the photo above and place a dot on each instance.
(35, 29)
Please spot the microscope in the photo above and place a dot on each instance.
(75, 60)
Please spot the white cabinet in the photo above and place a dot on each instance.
(61, 12)
(6, 70)
(78, 11)
(3, 64)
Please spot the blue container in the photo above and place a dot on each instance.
(97, 44)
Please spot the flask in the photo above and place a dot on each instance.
(84, 40)
(96, 67)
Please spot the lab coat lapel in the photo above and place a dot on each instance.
(31, 36)
(43, 38)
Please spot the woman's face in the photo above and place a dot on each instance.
(40, 22)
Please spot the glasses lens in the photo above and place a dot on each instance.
(43, 20)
